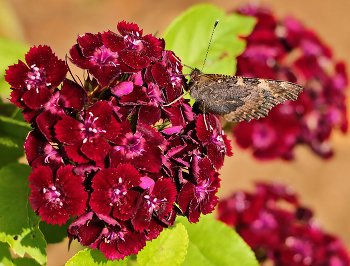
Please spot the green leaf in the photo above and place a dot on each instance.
(7, 109)
(5, 255)
(214, 243)
(53, 232)
(10, 52)
(11, 127)
(189, 34)
(25, 262)
(19, 225)
(169, 248)
(12, 136)
(93, 257)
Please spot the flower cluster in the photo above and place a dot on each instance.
(286, 50)
(279, 230)
(110, 150)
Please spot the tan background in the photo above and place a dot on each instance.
(322, 185)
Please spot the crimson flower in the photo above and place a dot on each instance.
(287, 50)
(87, 139)
(214, 140)
(33, 83)
(40, 152)
(113, 151)
(199, 196)
(155, 202)
(115, 239)
(90, 53)
(135, 50)
(112, 191)
(279, 230)
(141, 148)
(54, 198)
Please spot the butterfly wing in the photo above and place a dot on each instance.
(238, 98)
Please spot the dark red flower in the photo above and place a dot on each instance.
(286, 50)
(167, 73)
(43, 72)
(199, 197)
(70, 97)
(40, 152)
(141, 148)
(102, 63)
(164, 84)
(135, 50)
(213, 139)
(55, 197)
(123, 143)
(116, 240)
(112, 191)
(87, 228)
(155, 202)
(86, 140)
(279, 230)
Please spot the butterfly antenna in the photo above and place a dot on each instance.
(178, 60)
(211, 37)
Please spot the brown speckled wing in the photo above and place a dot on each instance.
(238, 98)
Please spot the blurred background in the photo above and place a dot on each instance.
(322, 185)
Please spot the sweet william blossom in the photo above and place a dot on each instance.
(155, 202)
(113, 191)
(111, 150)
(279, 229)
(87, 139)
(54, 198)
(287, 50)
(36, 79)
(213, 139)
(141, 148)
(135, 50)
(198, 196)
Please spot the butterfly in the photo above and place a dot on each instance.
(238, 98)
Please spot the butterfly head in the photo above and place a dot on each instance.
(195, 74)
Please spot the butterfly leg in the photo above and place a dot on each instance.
(205, 121)
(205, 117)
(178, 98)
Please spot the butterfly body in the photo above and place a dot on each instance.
(238, 98)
